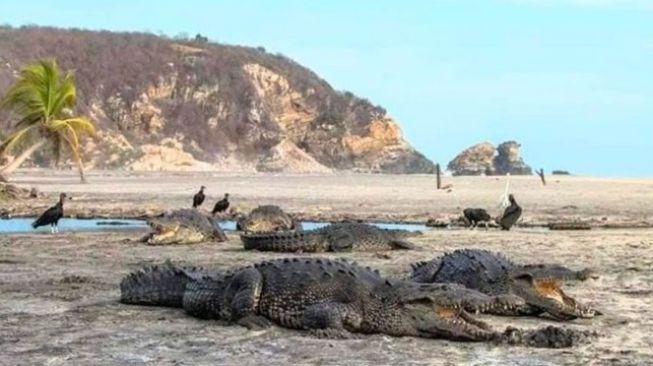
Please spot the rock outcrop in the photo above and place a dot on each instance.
(164, 104)
(485, 159)
(509, 161)
(475, 160)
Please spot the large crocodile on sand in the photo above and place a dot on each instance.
(330, 298)
(491, 273)
(331, 238)
(185, 226)
(267, 218)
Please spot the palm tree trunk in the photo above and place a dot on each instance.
(82, 176)
(80, 166)
(20, 159)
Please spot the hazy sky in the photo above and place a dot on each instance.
(572, 80)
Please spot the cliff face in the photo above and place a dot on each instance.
(165, 104)
(484, 158)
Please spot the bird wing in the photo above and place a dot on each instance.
(46, 217)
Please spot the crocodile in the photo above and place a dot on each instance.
(185, 226)
(331, 238)
(328, 298)
(267, 218)
(539, 285)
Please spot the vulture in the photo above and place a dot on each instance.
(51, 216)
(510, 215)
(198, 198)
(222, 205)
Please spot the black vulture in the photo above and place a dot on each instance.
(51, 216)
(222, 205)
(474, 216)
(510, 215)
(198, 198)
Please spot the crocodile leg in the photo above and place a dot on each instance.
(341, 241)
(242, 295)
(402, 244)
(331, 320)
(202, 299)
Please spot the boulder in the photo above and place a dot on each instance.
(476, 160)
(485, 159)
(509, 161)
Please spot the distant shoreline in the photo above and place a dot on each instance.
(594, 202)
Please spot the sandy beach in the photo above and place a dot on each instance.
(605, 201)
(60, 292)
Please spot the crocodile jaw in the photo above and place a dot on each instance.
(441, 311)
(163, 233)
(548, 296)
(455, 324)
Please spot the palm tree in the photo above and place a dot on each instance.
(41, 100)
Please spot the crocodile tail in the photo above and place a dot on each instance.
(156, 285)
(283, 242)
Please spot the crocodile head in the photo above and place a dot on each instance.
(266, 218)
(546, 295)
(437, 311)
(166, 231)
(182, 227)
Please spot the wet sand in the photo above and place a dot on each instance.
(617, 201)
(59, 292)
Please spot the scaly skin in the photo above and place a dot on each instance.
(490, 273)
(183, 226)
(267, 218)
(329, 298)
(331, 238)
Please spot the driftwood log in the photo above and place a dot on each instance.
(573, 225)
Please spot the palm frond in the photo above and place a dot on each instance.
(15, 139)
(66, 95)
(40, 99)
(79, 125)
(70, 135)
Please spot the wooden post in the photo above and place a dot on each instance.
(437, 176)
(541, 174)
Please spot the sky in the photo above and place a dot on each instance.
(571, 80)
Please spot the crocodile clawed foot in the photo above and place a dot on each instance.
(547, 337)
(587, 273)
(255, 322)
(332, 333)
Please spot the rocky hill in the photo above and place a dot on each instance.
(485, 159)
(171, 104)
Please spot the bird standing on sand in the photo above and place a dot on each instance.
(222, 205)
(51, 216)
(474, 216)
(511, 214)
(198, 198)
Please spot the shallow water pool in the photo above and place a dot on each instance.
(24, 225)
